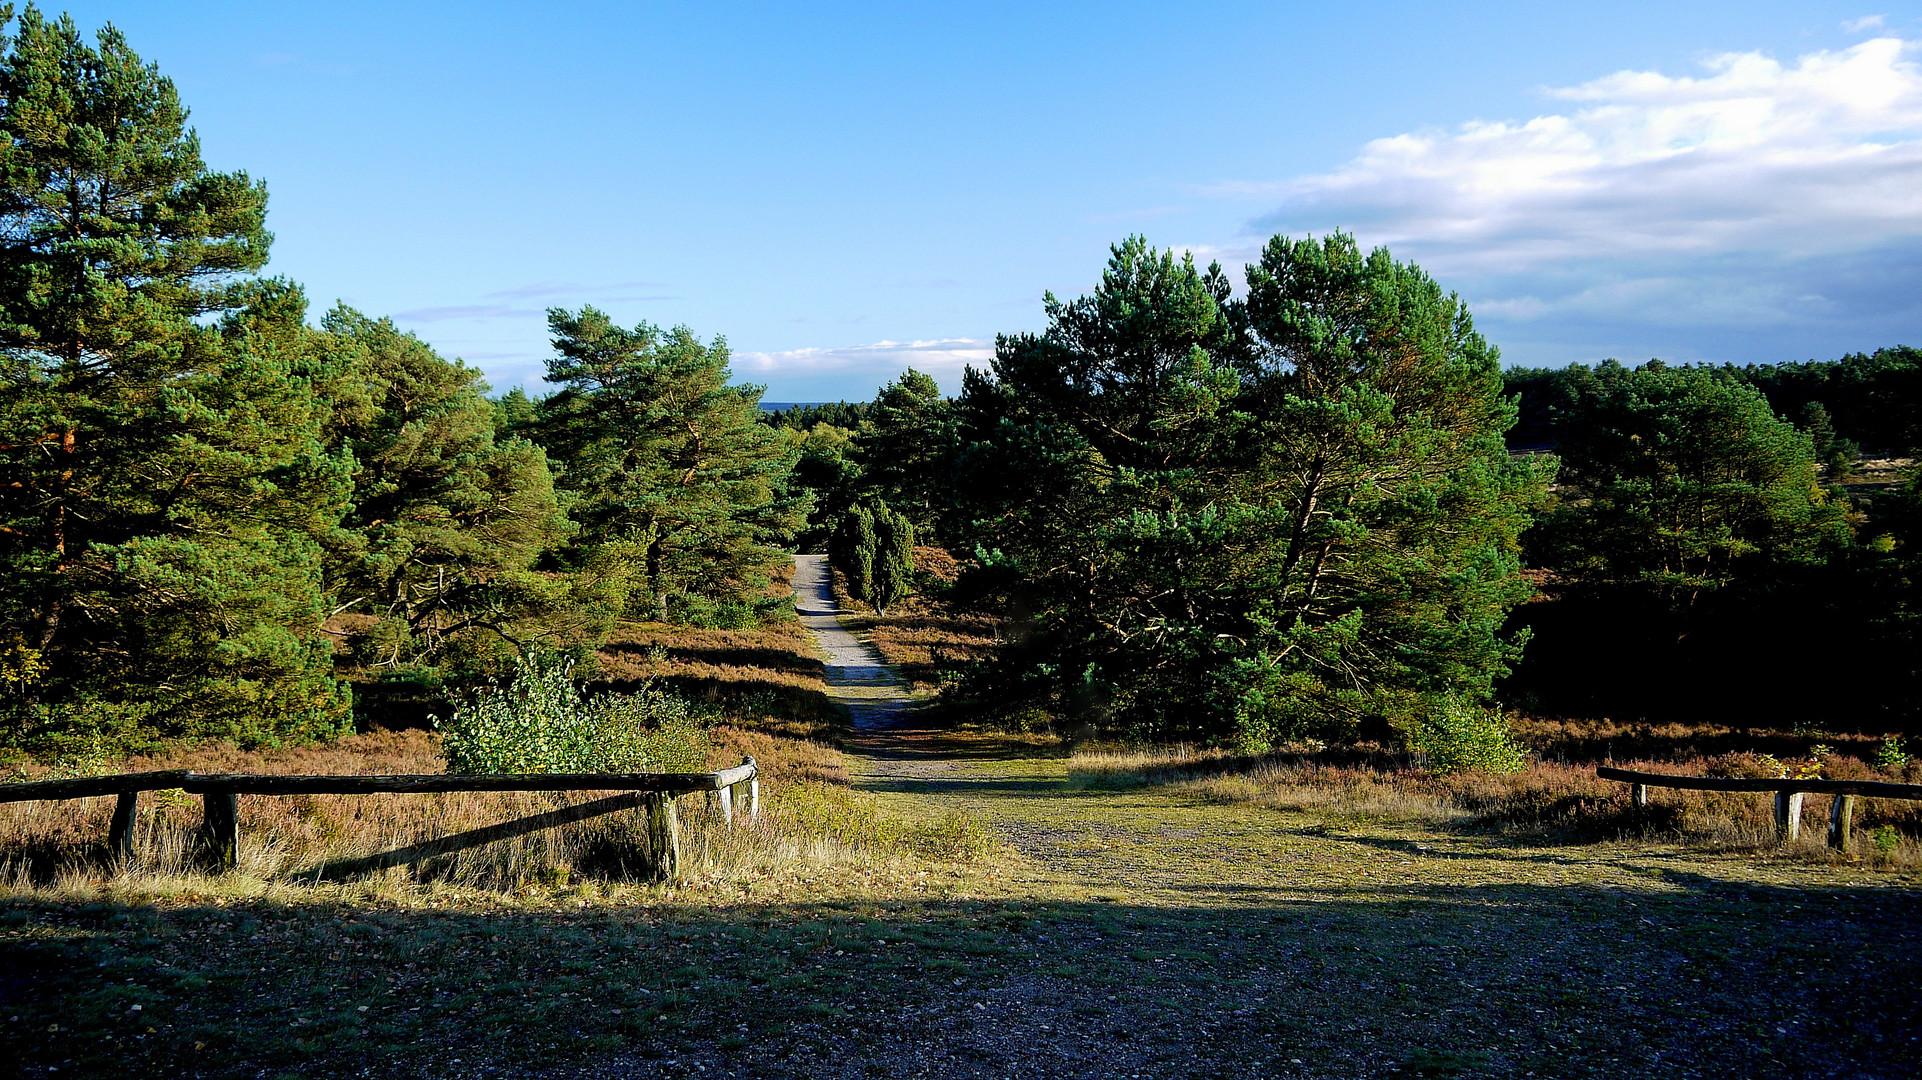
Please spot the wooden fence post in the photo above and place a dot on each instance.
(726, 796)
(1638, 794)
(664, 835)
(120, 832)
(220, 830)
(1788, 816)
(753, 791)
(1840, 813)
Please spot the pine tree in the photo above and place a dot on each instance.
(1258, 518)
(905, 443)
(162, 480)
(666, 460)
(449, 516)
(828, 472)
(1677, 476)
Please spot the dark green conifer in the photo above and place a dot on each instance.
(667, 462)
(162, 479)
(905, 442)
(856, 542)
(893, 559)
(449, 515)
(1259, 518)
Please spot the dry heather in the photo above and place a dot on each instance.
(768, 676)
(1349, 788)
(1592, 740)
(810, 820)
(923, 639)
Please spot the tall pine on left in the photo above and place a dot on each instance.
(163, 484)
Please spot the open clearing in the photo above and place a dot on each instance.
(1128, 931)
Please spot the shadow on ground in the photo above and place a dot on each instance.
(1696, 977)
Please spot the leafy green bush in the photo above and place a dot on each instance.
(539, 722)
(1458, 737)
(1890, 755)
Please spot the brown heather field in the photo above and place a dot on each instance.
(811, 819)
(765, 683)
(923, 640)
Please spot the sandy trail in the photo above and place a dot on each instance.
(856, 676)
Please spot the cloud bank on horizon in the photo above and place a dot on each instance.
(817, 374)
(1762, 211)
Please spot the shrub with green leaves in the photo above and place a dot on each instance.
(539, 722)
(1891, 755)
(1459, 737)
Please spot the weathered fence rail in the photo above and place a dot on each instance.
(1788, 795)
(220, 807)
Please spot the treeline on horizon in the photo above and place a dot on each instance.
(1251, 513)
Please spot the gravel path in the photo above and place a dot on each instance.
(856, 677)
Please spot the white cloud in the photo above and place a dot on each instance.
(1866, 22)
(805, 374)
(1673, 201)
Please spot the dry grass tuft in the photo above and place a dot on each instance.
(1358, 787)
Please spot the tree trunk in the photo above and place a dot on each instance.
(655, 586)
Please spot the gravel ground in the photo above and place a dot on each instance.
(1154, 936)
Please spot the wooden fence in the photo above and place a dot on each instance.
(220, 821)
(1788, 795)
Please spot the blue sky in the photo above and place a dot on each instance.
(844, 190)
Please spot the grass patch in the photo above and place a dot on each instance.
(1352, 788)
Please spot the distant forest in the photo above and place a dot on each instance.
(1309, 504)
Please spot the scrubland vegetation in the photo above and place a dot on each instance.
(1544, 799)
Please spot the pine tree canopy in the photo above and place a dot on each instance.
(165, 484)
(449, 516)
(905, 441)
(1675, 476)
(1262, 517)
(669, 463)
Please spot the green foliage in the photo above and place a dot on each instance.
(1692, 546)
(449, 515)
(1259, 518)
(873, 546)
(893, 560)
(163, 484)
(1455, 736)
(1870, 400)
(668, 465)
(540, 723)
(1676, 476)
(853, 550)
(829, 471)
(846, 415)
(1886, 839)
(897, 449)
(905, 442)
(1890, 755)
